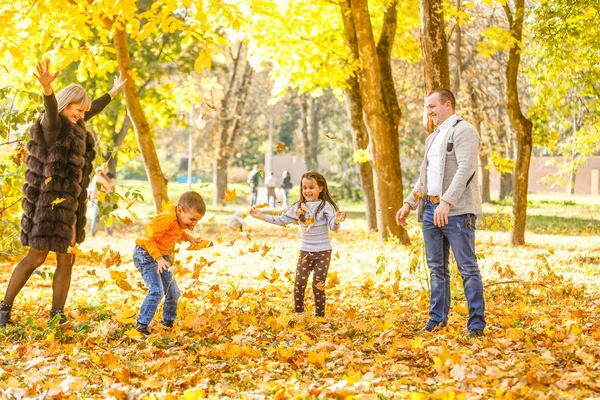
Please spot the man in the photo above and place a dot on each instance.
(253, 177)
(447, 197)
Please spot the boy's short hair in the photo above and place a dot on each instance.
(193, 200)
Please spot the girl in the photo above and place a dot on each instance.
(317, 212)
(61, 153)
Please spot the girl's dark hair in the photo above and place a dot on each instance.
(324, 196)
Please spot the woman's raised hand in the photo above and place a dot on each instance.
(117, 86)
(45, 77)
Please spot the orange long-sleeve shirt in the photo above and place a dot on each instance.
(160, 233)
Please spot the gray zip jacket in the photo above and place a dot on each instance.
(459, 158)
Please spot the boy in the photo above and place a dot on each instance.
(151, 258)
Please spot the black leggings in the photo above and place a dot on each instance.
(318, 263)
(60, 283)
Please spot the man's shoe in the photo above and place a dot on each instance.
(4, 314)
(475, 333)
(168, 324)
(58, 316)
(142, 329)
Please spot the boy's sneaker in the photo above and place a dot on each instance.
(432, 326)
(4, 314)
(142, 329)
(168, 324)
(475, 333)
(58, 316)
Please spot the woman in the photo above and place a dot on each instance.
(61, 153)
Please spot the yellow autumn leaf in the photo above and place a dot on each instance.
(201, 245)
(57, 201)
(101, 196)
(352, 377)
(126, 316)
(230, 196)
(74, 250)
(280, 147)
(309, 222)
(165, 205)
(47, 180)
(317, 358)
(133, 334)
(265, 250)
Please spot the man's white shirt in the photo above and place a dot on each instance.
(434, 166)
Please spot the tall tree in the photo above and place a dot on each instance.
(158, 182)
(520, 124)
(354, 106)
(310, 130)
(434, 45)
(230, 114)
(382, 114)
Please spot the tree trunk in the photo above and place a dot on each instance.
(572, 176)
(382, 132)
(483, 150)
(118, 137)
(483, 162)
(314, 131)
(360, 136)
(456, 81)
(232, 109)
(219, 180)
(485, 173)
(307, 131)
(520, 124)
(506, 185)
(158, 182)
(434, 46)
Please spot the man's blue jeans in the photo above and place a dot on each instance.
(158, 285)
(459, 234)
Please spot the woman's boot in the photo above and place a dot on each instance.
(58, 316)
(4, 314)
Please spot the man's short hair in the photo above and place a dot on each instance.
(193, 200)
(445, 95)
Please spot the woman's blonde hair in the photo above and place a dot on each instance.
(73, 94)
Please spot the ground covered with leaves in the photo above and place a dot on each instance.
(236, 336)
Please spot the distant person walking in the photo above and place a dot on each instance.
(101, 183)
(286, 185)
(253, 179)
(272, 183)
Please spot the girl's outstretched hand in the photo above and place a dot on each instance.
(117, 86)
(256, 214)
(339, 217)
(44, 77)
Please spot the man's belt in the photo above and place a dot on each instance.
(434, 199)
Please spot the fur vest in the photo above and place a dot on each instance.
(61, 171)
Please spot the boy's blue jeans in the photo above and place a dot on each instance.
(158, 285)
(458, 234)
